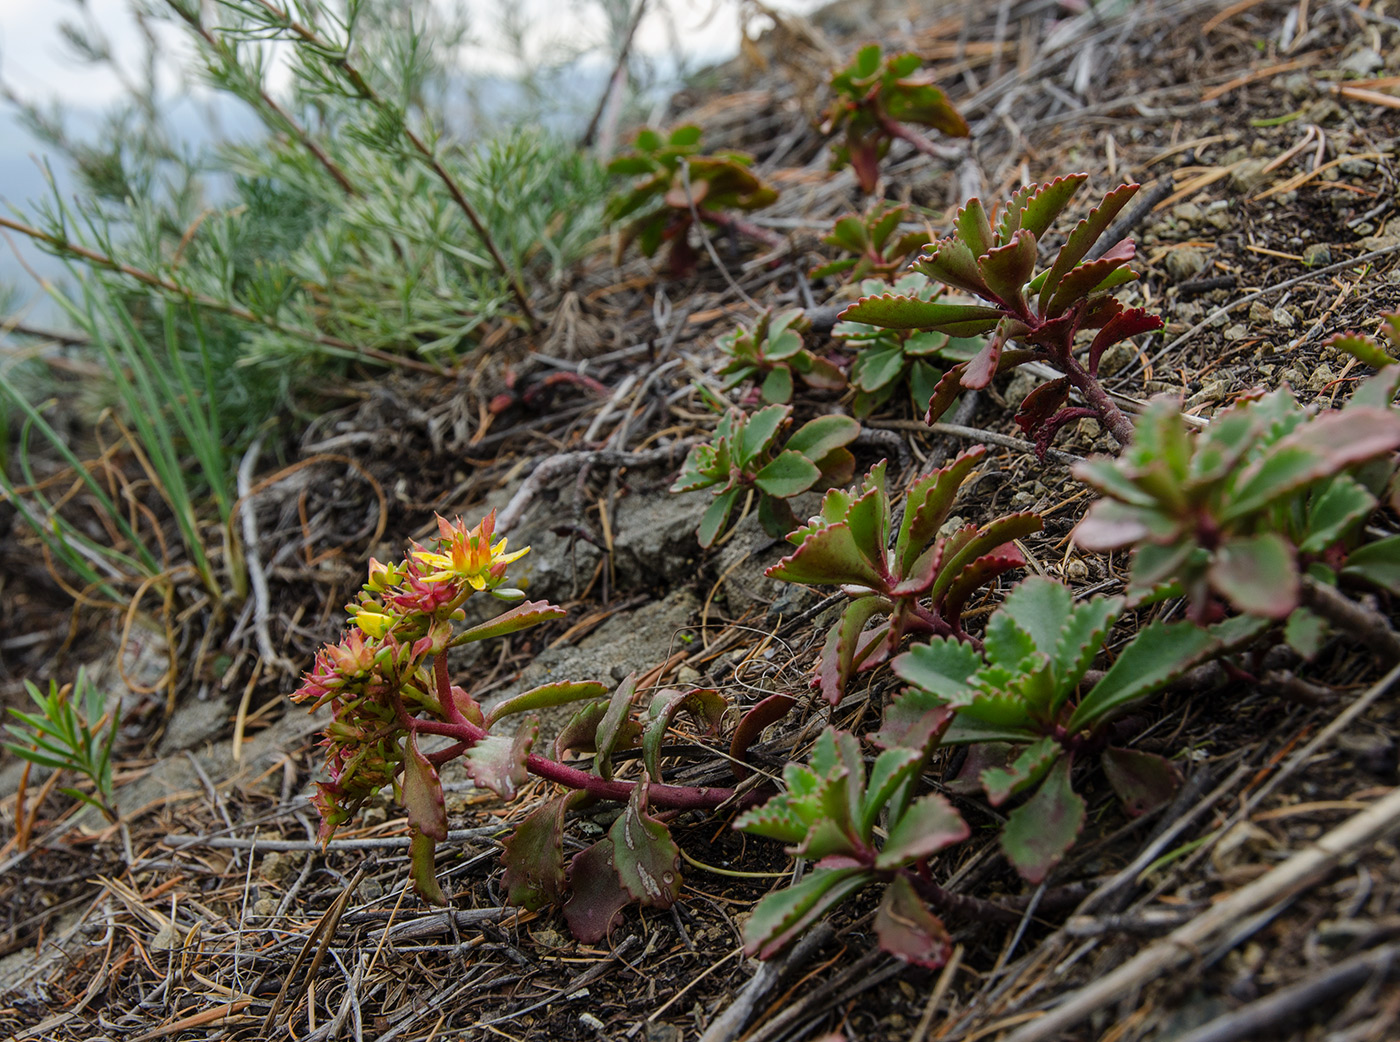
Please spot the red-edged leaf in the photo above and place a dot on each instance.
(596, 896)
(646, 859)
(1087, 277)
(908, 930)
(952, 262)
(843, 642)
(981, 367)
(1257, 574)
(751, 725)
(421, 870)
(1120, 327)
(703, 704)
(610, 727)
(977, 574)
(827, 554)
(780, 917)
(1143, 781)
(973, 226)
(546, 696)
(990, 536)
(1042, 403)
(927, 504)
(533, 855)
(422, 793)
(900, 312)
(1007, 269)
(1082, 239)
(946, 393)
(1039, 832)
(929, 825)
(1036, 206)
(521, 617)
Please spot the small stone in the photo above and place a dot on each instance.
(1299, 86)
(548, 937)
(1318, 255)
(372, 816)
(275, 867)
(1185, 262)
(688, 676)
(1076, 571)
(1362, 62)
(1022, 499)
(1088, 428)
(1236, 331)
(265, 907)
(1357, 167)
(1116, 357)
(1322, 376)
(1294, 377)
(1283, 318)
(1260, 314)
(1022, 384)
(591, 1022)
(1187, 212)
(370, 890)
(1249, 175)
(167, 938)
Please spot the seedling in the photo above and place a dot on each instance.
(1237, 513)
(743, 458)
(1016, 702)
(829, 814)
(674, 185)
(1043, 313)
(877, 246)
(887, 359)
(876, 100)
(921, 585)
(772, 352)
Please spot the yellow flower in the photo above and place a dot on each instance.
(373, 622)
(466, 555)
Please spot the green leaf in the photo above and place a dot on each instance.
(1039, 832)
(645, 857)
(716, 516)
(533, 855)
(788, 474)
(703, 704)
(780, 917)
(1257, 574)
(892, 769)
(827, 554)
(943, 667)
(1026, 770)
(1335, 512)
(987, 538)
(875, 367)
(1083, 237)
(1159, 654)
(1006, 269)
(927, 505)
(1306, 633)
(610, 727)
(759, 432)
(973, 227)
(777, 385)
(421, 869)
(1377, 563)
(930, 824)
(1362, 348)
(815, 439)
(1036, 206)
(844, 642)
(908, 930)
(546, 696)
(898, 312)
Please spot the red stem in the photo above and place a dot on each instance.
(741, 227)
(1118, 425)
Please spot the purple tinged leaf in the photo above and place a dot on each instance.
(596, 896)
(768, 711)
(840, 654)
(828, 554)
(498, 763)
(977, 574)
(930, 824)
(1110, 525)
(546, 696)
(1377, 563)
(973, 227)
(1039, 832)
(422, 793)
(927, 504)
(716, 516)
(946, 393)
(1088, 277)
(759, 431)
(908, 930)
(981, 757)
(533, 855)
(953, 263)
(902, 312)
(1257, 574)
(421, 869)
(987, 538)
(1082, 239)
(646, 859)
(1143, 781)
(1124, 324)
(1041, 404)
(780, 917)
(521, 617)
(980, 369)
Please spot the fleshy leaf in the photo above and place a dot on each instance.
(768, 711)
(1143, 781)
(827, 554)
(422, 793)
(1305, 632)
(927, 504)
(1023, 772)
(420, 868)
(1036, 206)
(943, 667)
(704, 704)
(1257, 574)
(1377, 563)
(760, 430)
(716, 516)
(498, 763)
(1159, 654)
(610, 727)
(1081, 240)
(780, 917)
(647, 860)
(1039, 832)
(546, 696)
(533, 855)
(816, 438)
(1335, 512)
(930, 824)
(1008, 268)
(908, 930)
(521, 617)
(893, 768)
(905, 312)
(596, 896)
(787, 474)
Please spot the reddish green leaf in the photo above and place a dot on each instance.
(1042, 403)
(533, 855)
(1124, 324)
(908, 930)
(768, 711)
(973, 227)
(1257, 574)
(521, 617)
(1082, 239)
(946, 393)
(839, 658)
(780, 917)
(421, 869)
(646, 859)
(1377, 563)
(1006, 270)
(902, 312)
(1143, 781)
(596, 897)
(1039, 832)
(1089, 277)
(1023, 772)
(1036, 206)
(705, 705)
(828, 554)
(1159, 654)
(1362, 348)
(989, 537)
(787, 474)
(610, 727)
(422, 793)
(927, 504)
(930, 824)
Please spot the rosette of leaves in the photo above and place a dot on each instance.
(829, 813)
(1236, 514)
(1017, 702)
(637, 862)
(876, 98)
(673, 184)
(743, 457)
(887, 359)
(919, 585)
(1042, 313)
(771, 353)
(875, 242)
